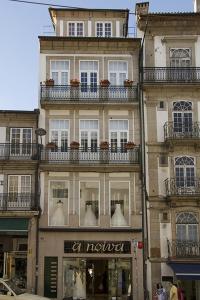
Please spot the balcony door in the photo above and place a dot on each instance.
(185, 174)
(180, 57)
(88, 78)
(117, 73)
(19, 190)
(20, 140)
(118, 132)
(89, 139)
(59, 134)
(182, 118)
(59, 70)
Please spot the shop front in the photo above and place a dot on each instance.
(94, 269)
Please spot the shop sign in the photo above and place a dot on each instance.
(114, 247)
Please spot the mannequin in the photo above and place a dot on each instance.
(89, 218)
(79, 291)
(118, 218)
(58, 218)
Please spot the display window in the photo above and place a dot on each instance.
(119, 203)
(89, 203)
(58, 203)
(102, 278)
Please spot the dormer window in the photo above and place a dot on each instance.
(75, 28)
(103, 29)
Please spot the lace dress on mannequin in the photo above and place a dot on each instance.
(79, 291)
(118, 218)
(58, 218)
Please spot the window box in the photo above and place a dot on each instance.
(51, 146)
(49, 82)
(130, 145)
(104, 145)
(74, 145)
(104, 83)
(128, 83)
(74, 82)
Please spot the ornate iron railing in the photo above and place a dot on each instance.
(171, 75)
(183, 187)
(183, 249)
(15, 201)
(16, 151)
(91, 156)
(89, 94)
(182, 131)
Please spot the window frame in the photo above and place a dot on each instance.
(75, 28)
(104, 22)
(89, 131)
(118, 132)
(60, 71)
(19, 185)
(117, 77)
(59, 131)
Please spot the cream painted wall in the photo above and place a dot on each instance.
(42, 64)
(1, 186)
(163, 173)
(165, 233)
(160, 52)
(2, 134)
(197, 52)
(42, 192)
(162, 118)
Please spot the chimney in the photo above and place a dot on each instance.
(141, 8)
(196, 6)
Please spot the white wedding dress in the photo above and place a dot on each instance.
(58, 218)
(118, 217)
(79, 291)
(89, 218)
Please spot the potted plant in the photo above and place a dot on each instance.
(128, 83)
(49, 82)
(51, 146)
(74, 145)
(104, 83)
(74, 82)
(104, 145)
(129, 145)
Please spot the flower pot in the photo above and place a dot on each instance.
(74, 146)
(130, 146)
(104, 146)
(49, 82)
(51, 146)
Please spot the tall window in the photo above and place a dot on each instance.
(59, 133)
(118, 131)
(103, 29)
(58, 203)
(19, 189)
(20, 139)
(59, 70)
(186, 227)
(88, 75)
(180, 57)
(185, 172)
(182, 117)
(118, 72)
(89, 132)
(75, 28)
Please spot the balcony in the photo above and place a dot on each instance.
(17, 202)
(11, 151)
(182, 188)
(87, 94)
(178, 249)
(180, 134)
(91, 156)
(171, 75)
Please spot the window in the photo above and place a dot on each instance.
(103, 29)
(88, 76)
(180, 57)
(58, 203)
(20, 139)
(117, 72)
(19, 190)
(182, 117)
(119, 203)
(186, 227)
(59, 133)
(89, 133)
(75, 28)
(185, 173)
(89, 203)
(118, 135)
(59, 70)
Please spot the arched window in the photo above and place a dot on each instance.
(186, 226)
(182, 117)
(185, 171)
(180, 57)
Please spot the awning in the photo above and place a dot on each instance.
(187, 271)
(13, 225)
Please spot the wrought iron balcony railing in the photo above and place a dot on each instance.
(181, 131)
(183, 249)
(18, 202)
(182, 187)
(16, 151)
(171, 75)
(88, 94)
(91, 156)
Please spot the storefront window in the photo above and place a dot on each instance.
(119, 203)
(89, 203)
(58, 203)
(87, 278)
